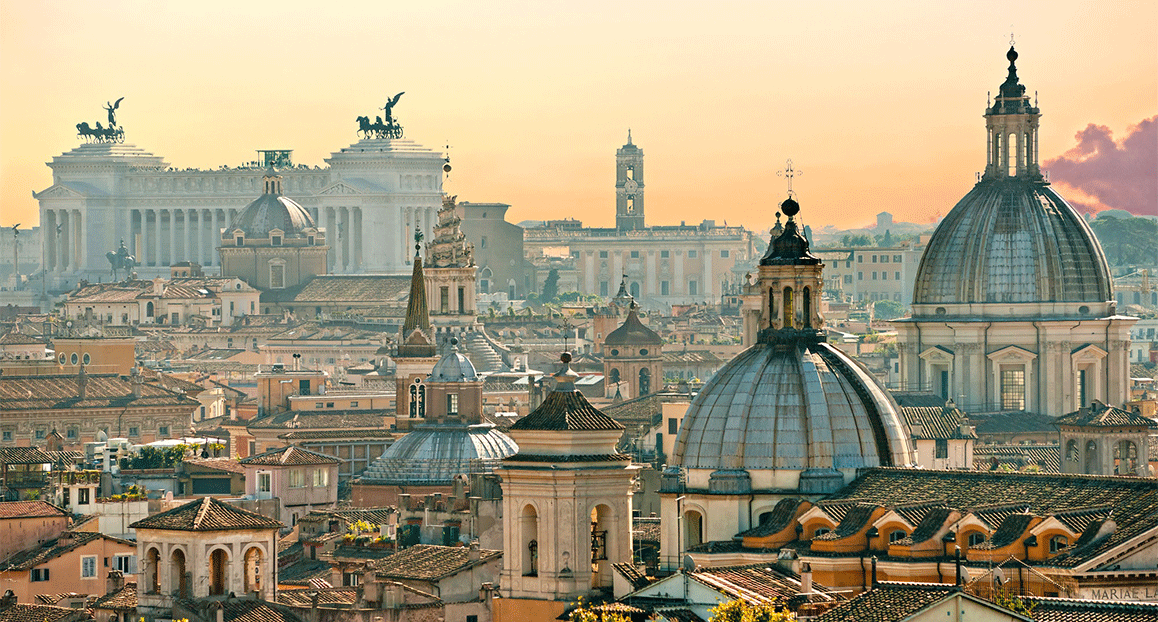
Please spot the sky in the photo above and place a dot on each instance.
(878, 103)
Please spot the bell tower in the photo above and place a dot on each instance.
(629, 186)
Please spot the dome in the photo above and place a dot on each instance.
(453, 367)
(1012, 240)
(793, 406)
(435, 454)
(632, 332)
(271, 212)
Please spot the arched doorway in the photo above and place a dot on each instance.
(693, 529)
(218, 572)
(1091, 463)
(529, 525)
(1126, 454)
(178, 585)
(644, 382)
(253, 563)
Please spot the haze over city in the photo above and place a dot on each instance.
(879, 104)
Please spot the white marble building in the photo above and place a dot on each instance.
(370, 198)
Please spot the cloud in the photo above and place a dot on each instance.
(1111, 175)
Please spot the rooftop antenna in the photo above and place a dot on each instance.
(789, 173)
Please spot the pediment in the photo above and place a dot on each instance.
(937, 353)
(58, 191)
(1088, 353)
(339, 187)
(1012, 354)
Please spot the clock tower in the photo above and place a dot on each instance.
(629, 186)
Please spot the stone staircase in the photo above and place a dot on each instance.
(481, 353)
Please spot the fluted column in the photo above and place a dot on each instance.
(172, 237)
(215, 236)
(157, 237)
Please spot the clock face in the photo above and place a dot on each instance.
(630, 185)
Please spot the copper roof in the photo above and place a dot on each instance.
(207, 514)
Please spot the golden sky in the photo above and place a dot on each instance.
(879, 103)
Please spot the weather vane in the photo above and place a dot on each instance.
(1011, 35)
(789, 173)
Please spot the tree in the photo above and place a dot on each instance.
(550, 286)
(886, 240)
(1127, 241)
(859, 239)
(888, 309)
(740, 611)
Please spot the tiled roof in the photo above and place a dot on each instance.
(854, 519)
(933, 521)
(1046, 456)
(1135, 500)
(632, 332)
(290, 456)
(1070, 610)
(678, 614)
(323, 419)
(120, 600)
(304, 599)
(58, 392)
(782, 515)
(636, 578)
(427, 562)
(888, 603)
(917, 399)
(935, 422)
(29, 558)
(303, 571)
(207, 514)
(29, 509)
(220, 464)
(646, 529)
(42, 613)
(23, 455)
(1012, 528)
(14, 338)
(566, 410)
(363, 290)
(1104, 416)
(242, 610)
(374, 516)
(1012, 423)
(755, 582)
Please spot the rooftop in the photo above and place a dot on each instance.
(207, 514)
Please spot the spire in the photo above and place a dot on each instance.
(790, 247)
(415, 336)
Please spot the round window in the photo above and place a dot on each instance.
(73, 359)
(1083, 309)
(940, 311)
(614, 352)
(86, 358)
(62, 358)
(643, 351)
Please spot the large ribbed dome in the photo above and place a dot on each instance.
(1012, 240)
(435, 454)
(793, 406)
(273, 211)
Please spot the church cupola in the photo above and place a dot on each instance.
(1011, 124)
(790, 282)
(272, 182)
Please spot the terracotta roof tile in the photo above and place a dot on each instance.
(566, 410)
(1103, 416)
(42, 613)
(427, 562)
(124, 599)
(65, 543)
(936, 422)
(207, 514)
(29, 509)
(230, 465)
(23, 455)
(888, 603)
(57, 392)
(1070, 610)
(290, 456)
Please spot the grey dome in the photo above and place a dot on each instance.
(453, 367)
(799, 406)
(273, 211)
(435, 454)
(1008, 241)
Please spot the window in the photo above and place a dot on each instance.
(40, 574)
(874, 275)
(673, 425)
(848, 278)
(483, 242)
(82, 496)
(276, 276)
(264, 482)
(1057, 543)
(88, 567)
(86, 359)
(330, 404)
(40, 434)
(417, 400)
(691, 254)
(1013, 389)
(896, 259)
(897, 536)
(693, 288)
(74, 359)
(821, 532)
(603, 254)
(603, 288)
(319, 405)
(297, 479)
(860, 276)
(665, 254)
(71, 433)
(275, 240)
(164, 430)
(896, 276)
(321, 478)
(452, 404)
(725, 254)
(635, 254)
(125, 563)
(353, 404)
(664, 287)
(976, 538)
(7, 435)
(942, 448)
(874, 258)
(134, 431)
(884, 276)
(303, 387)
(240, 241)
(444, 299)
(310, 240)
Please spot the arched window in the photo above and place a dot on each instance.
(177, 582)
(253, 563)
(644, 382)
(976, 538)
(614, 375)
(635, 290)
(218, 572)
(1057, 543)
(788, 311)
(1072, 452)
(1126, 456)
(530, 536)
(1011, 154)
(600, 523)
(153, 571)
(897, 535)
(1091, 466)
(417, 399)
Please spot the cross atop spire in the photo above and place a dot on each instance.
(789, 173)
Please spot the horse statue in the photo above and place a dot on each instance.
(100, 134)
(364, 126)
(378, 129)
(122, 260)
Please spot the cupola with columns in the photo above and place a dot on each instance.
(1011, 127)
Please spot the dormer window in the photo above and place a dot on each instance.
(241, 240)
(310, 240)
(275, 240)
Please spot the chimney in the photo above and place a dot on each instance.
(136, 380)
(81, 382)
(220, 613)
(805, 578)
(874, 572)
(474, 554)
(115, 581)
